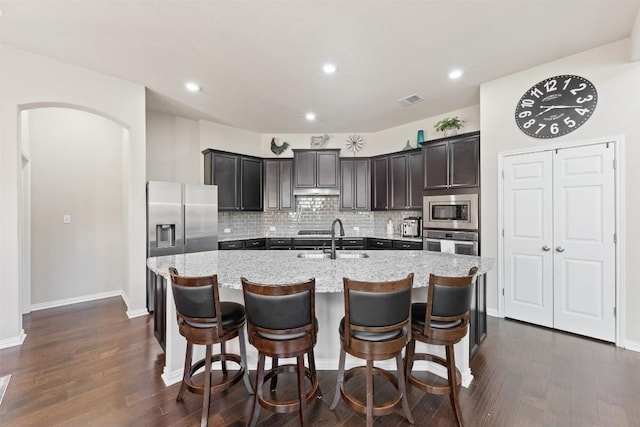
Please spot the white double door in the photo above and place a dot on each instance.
(559, 241)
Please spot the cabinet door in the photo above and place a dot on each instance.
(398, 169)
(271, 185)
(379, 181)
(436, 165)
(305, 169)
(464, 158)
(224, 174)
(414, 180)
(251, 181)
(347, 185)
(327, 173)
(286, 185)
(362, 182)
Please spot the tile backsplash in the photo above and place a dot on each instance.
(311, 213)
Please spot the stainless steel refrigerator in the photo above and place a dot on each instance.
(181, 218)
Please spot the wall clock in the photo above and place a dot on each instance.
(556, 106)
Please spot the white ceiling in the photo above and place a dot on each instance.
(259, 62)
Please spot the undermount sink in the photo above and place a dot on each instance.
(321, 255)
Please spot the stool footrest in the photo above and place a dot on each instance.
(287, 406)
(360, 406)
(225, 384)
(431, 387)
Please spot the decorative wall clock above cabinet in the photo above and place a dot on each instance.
(556, 106)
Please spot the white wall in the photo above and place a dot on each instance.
(618, 84)
(76, 169)
(173, 148)
(28, 81)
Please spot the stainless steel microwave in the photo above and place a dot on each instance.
(454, 211)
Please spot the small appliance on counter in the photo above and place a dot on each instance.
(411, 227)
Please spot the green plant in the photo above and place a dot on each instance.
(449, 123)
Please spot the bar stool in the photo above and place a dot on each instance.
(375, 327)
(442, 320)
(281, 323)
(204, 320)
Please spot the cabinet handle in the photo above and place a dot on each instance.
(546, 248)
(559, 249)
(379, 243)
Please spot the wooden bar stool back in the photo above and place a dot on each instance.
(204, 320)
(442, 320)
(375, 327)
(281, 323)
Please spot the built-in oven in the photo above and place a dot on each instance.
(454, 242)
(454, 211)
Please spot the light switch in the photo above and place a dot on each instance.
(356, 228)
(272, 229)
(66, 219)
(227, 230)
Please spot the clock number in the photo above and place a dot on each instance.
(581, 100)
(582, 111)
(550, 86)
(524, 114)
(536, 92)
(569, 122)
(554, 129)
(527, 103)
(528, 124)
(540, 127)
(582, 86)
(566, 83)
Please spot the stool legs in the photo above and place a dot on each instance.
(187, 367)
(402, 386)
(207, 387)
(340, 380)
(243, 362)
(455, 388)
(369, 391)
(255, 411)
(302, 395)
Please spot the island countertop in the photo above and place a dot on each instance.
(279, 267)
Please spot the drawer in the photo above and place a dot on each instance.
(347, 243)
(379, 244)
(255, 244)
(404, 245)
(231, 244)
(275, 243)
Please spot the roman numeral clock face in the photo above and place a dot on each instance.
(556, 106)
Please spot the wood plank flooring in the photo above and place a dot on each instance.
(89, 365)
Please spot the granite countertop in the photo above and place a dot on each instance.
(294, 234)
(279, 267)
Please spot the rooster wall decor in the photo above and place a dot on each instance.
(278, 149)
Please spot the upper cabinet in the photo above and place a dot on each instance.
(278, 185)
(452, 162)
(238, 177)
(316, 171)
(354, 184)
(397, 181)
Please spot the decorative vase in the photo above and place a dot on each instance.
(420, 138)
(450, 132)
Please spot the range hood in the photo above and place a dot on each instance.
(316, 191)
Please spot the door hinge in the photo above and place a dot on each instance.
(615, 314)
(503, 232)
(502, 174)
(615, 237)
(614, 163)
(502, 291)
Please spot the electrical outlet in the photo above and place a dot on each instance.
(356, 228)
(227, 230)
(272, 229)
(66, 219)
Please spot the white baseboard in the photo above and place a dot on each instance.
(75, 300)
(632, 345)
(13, 341)
(492, 312)
(137, 313)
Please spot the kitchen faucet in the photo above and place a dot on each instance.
(333, 236)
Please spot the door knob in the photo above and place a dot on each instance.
(546, 248)
(559, 249)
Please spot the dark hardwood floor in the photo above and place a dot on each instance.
(88, 365)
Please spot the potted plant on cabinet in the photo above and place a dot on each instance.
(449, 125)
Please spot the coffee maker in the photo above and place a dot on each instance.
(412, 226)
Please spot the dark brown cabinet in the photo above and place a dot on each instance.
(354, 184)
(407, 245)
(452, 162)
(316, 170)
(278, 185)
(373, 243)
(405, 180)
(380, 183)
(238, 177)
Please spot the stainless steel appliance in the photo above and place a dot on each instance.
(454, 211)
(181, 218)
(455, 242)
(411, 226)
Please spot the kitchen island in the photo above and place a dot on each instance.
(279, 267)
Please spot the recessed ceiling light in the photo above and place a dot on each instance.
(192, 87)
(310, 117)
(455, 74)
(329, 68)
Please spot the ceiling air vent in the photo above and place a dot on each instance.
(411, 99)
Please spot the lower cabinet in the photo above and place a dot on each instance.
(407, 245)
(478, 320)
(160, 311)
(259, 243)
(279, 244)
(379, 243)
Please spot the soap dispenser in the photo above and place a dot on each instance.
(390, 227)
